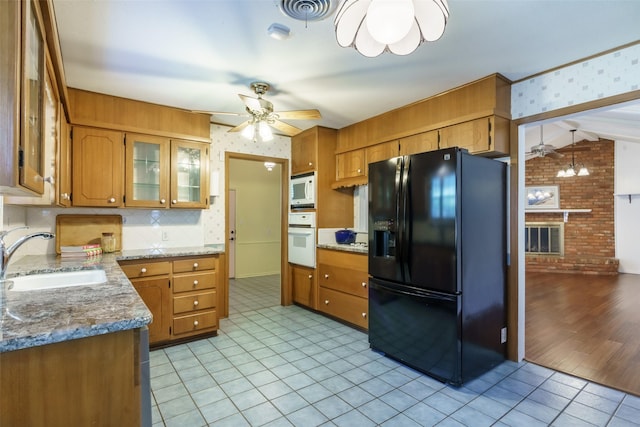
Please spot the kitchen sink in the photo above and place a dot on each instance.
(61, 279)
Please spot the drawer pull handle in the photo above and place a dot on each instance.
(310, 276)
(195, 265)
(143, 270)
(195, 283)
(195, 323)
(112, 200)
(326, 302)
(364, 284)
(326, 276)
(195, 303)
(364, 315)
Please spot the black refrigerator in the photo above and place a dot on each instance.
(437, 262)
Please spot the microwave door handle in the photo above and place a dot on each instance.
(307, 189)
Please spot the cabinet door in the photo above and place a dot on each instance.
(350, 164)
(155, 294)
(304, 152)
(473, 135)
(420, 143)
(189, 174)
(63, 164)
(98, 167)
(147, 171)
(303, 285)
(384, 151)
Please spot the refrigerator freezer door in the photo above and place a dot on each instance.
(418, 330)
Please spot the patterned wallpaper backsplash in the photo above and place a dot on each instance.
(610, 74)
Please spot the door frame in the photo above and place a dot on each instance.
(285, 288)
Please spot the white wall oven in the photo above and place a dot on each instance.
(302, 239)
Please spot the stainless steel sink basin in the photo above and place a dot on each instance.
(61, 279)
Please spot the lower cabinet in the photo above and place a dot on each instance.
(303, 285)
(343, 286)
(181, 293)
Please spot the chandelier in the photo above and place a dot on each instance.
(396, 26)
(571, 170)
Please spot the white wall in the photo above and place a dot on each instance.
(627, 212)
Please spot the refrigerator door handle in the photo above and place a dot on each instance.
(404, 221)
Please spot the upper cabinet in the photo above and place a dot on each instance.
(147, 171)
(189, 174)
(98, 167)
(304, 148)
(485, 136)
(22, 98)
(350, 164)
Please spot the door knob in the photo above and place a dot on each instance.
(112, 200)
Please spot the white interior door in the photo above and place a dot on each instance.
(231, 252)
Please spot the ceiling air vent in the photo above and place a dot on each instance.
(307, 10)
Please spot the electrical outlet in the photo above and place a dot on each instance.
(503, 335)
(165, 236)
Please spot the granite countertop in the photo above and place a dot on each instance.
(33, 318)
(345, 248)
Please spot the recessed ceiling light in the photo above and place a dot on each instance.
(279, 31)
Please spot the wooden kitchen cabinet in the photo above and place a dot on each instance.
(22, 79)
(486, 136)
(304, 148)
(194, 296)
(303, 284)
(384, 151)
(63, 164)
(350, 164)
(152, 282)
(97, 167)
(189, 174)
(147, 171)
(419, 143)
(93, 381)
(343, 286)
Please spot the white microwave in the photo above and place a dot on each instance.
(302, 191)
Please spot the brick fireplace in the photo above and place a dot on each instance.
(589, 239)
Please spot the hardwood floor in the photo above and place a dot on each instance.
(587, 326)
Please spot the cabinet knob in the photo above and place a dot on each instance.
(364, 284)
(310, 163)
(326, 276)
(162, 201)
(195, 303)
(364, 315)
(310, 276)
(195, 323)
(143, 270)
(195, 265)
(112, 200)
(359, 170)
(49, 179)
(195, 283)
(326, 302)
(174, 201)
(64, 196)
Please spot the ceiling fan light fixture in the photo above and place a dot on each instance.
(249, 131)
(265, 132)
(397, 26)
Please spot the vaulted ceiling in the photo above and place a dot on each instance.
(199, 55)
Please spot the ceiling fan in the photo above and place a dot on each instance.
(542, 150)
(261, 116)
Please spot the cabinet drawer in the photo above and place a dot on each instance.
(145, 269)
(195, 322)
(194, 282)
(202, 301)
(347, 307)
(344, 279)
(194, 264)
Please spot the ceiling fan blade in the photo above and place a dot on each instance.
(285, 128)
(299, 115)
(529, 156)
(219, 113)
(239, 127)
(554, 154)
(252, 104)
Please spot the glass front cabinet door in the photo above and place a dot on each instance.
(147, 175)
(189, 174)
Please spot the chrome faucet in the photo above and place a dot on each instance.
(7, 252)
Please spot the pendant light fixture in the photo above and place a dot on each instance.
(571, 170)
(396, 26)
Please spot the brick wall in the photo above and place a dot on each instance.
(589, 241)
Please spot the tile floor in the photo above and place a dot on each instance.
(286, 366)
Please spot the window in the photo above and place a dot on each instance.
(544, 238)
